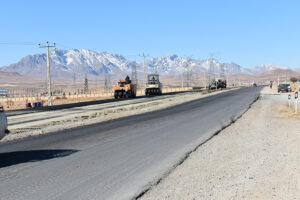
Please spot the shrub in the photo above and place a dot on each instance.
(293, 79)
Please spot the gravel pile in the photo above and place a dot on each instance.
(257, 157)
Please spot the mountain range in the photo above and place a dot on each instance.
(76, 64)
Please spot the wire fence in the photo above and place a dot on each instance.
(16, 99)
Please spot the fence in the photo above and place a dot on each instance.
(17, 101)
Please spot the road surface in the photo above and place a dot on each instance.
(117, 159)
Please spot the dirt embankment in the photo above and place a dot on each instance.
(257, 157)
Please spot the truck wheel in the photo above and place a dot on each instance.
(128, 94)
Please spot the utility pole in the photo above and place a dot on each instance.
(204, 78)
(96, 83)
(107, 82)
(47, 46)
(187, 62)
(181, 67)
(86, 84)
(144, 64)
(133, 73)
(222, 71)
(209, 71)
(225, 71)
(74, 80)
(156, 68)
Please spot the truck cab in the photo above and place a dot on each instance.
(153, 86)
(125, 89)
(218, 83)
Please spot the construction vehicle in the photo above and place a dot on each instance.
(217, 83)
(153, 86)
(125, 89)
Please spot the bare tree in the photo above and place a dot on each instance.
(293, 79)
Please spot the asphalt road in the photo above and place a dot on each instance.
(117, 159)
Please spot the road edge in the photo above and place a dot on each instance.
(188, 154)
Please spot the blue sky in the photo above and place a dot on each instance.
(245, 32)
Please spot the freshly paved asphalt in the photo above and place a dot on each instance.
(117, 159)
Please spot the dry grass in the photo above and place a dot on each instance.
(286, 112)
(294, 86)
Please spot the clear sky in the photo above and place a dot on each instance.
(245, 32)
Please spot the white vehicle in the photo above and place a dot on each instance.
(153, 87)
(3, 123)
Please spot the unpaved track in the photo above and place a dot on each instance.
(118, 159)
(257, 157)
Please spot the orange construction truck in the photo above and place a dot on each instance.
(125, 89)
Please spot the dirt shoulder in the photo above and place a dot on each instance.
(257, 157)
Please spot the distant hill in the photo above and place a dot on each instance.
(282, 74)
(10, 76)
(15, 79)
(272, 75)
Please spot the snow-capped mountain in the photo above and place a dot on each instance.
(266, 68)
(69, 64)
(173, 64)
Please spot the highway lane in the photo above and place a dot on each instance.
(117, 159)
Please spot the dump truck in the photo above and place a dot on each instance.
(153, 86)
(217, 83)
(125, 89)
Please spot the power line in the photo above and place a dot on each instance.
(64, 46)
(18, 43)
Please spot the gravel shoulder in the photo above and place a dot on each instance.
(257, 157)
